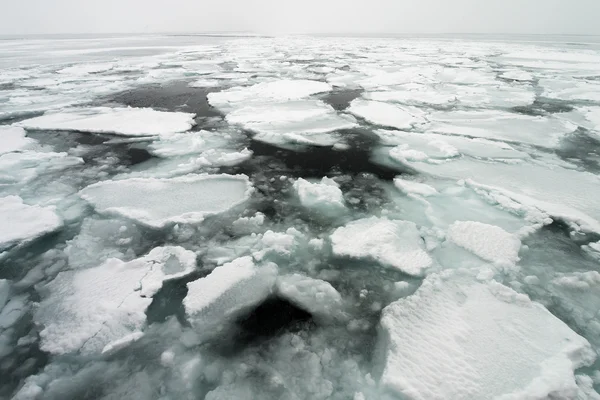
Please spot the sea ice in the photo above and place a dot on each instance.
(158, 202)
(412, 187)
(275, 91)
(119, 121)
(517, 75)
(88, 309)
(499, 125)
(457, 338)
(393, 243)
(227, 291)
(300, 122)
(313, 295)
(385, 114)
(489, 242)
(23, 222)
(14, 139)
(324, 197)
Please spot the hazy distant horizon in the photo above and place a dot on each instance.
(308, 17)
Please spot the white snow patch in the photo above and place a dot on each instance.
(393, 243)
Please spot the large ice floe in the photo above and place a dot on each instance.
(291, 218)
(119, 121)
(93, 310)
(158, 202)
(461, 338)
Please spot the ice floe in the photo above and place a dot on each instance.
(385, 114)
(159, 202)
(393, 243)
(226, 292)
(489, 242)
(460, 338)
(90, 309)
(118, 121)
(22, 222)
(14, 139)
(324, 197)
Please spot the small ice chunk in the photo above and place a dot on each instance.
(119, 121)
(245, 225)
(158, 202)
(12, 138)
(313, 295)
(489, 242)
(122, 343)
(324, 197)
(202, 83)
(385, 114)
(404, 153)
(393, 243)
(457, 338)
(22, 222)
(228, 290)
(89, 309)
(413, 187)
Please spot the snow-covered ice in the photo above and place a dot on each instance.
(489, 242)
(385, 114)
(158, 202)
(324, 197)
(13, 139)
(23, 222)
(460, 338)
(89, 309)
(119, 121)
(393, 243)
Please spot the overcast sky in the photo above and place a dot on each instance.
(301, 16)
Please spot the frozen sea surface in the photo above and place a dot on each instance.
(244, 217)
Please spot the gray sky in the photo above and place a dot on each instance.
(300, 16)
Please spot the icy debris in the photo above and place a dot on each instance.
(404, 153)
(159, 202)
(489, 242)
(246, 225)
(297, 122)
(313, 295)
(324, 197)
(13, 138)
(579, 280)
(393, 243)
(205, 83)
(227, 291)
(385, 114)
(88, 309)
(101, 239)
(279, 244)
(119, 121)
(457, 338)
(275, 91)
(122, 343)
(22, 222)
(517, 75)
(412, 187)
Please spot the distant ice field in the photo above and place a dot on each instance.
(301, 217)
